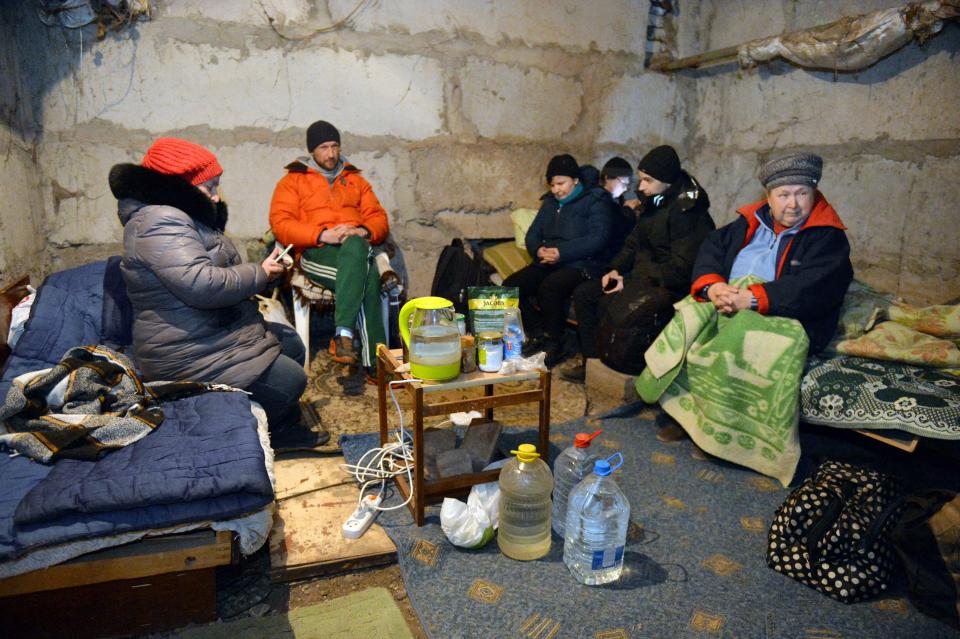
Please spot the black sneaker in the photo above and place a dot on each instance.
(575, 374)
(298, 438)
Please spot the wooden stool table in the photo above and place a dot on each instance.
(424, 492)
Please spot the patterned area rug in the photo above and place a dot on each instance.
(347, 404)
(695, 559)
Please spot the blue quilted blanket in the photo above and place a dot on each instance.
(203, 463)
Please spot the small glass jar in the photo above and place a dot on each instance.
(468, 354)
(490, 351)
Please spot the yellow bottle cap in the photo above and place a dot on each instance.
(526, 452)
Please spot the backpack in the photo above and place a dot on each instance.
(928, 542)
(458, 268)
(832, 532)
(629, 322)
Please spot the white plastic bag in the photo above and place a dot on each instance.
(465, 526)
(472, 524)
(532, 363)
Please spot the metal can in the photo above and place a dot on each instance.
(490, 351)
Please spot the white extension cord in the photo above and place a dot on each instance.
(379, 465)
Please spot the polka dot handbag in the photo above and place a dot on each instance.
(832, 532)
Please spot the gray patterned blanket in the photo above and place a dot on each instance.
(91, 402)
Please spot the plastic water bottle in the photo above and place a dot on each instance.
(512, 333)
(596, 528)
(524, 510)
(569, 469)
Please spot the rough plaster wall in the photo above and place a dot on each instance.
(20, 238)
(451, 107)
(890, 137)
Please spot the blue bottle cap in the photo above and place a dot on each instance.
(603, 468)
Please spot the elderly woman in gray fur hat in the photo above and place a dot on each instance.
(794, 240)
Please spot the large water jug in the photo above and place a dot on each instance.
(569, 469)
(598, 515)
(525, 485)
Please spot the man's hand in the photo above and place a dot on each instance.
(354, 230)
(612, 276)
(548, 255)
(271, 266)
(340, 232)
(729, 299)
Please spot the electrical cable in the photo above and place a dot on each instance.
(388, 461)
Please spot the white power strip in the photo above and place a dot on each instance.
(362, 517)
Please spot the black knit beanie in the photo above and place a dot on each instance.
(616, 167)
(563, 165)
(320, 132)
(662, 164)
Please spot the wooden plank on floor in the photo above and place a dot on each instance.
(145, 558)
(305, 540)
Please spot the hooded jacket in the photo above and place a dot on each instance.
(813, 268)
(662, 247)
(305, 204)
(193, 319)
(580, 228)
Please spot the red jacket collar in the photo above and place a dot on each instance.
(823, 214)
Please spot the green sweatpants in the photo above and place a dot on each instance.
(348, 270)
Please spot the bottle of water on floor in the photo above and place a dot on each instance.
(525, 485)
(569, 469)
(596, 528)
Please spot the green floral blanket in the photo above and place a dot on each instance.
(733, 384)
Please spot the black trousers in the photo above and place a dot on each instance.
(552, 286)
(587, 298)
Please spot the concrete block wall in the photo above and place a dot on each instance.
(452, 108)
(890, 137)
(21, 239)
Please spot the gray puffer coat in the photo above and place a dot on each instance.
(193, 319)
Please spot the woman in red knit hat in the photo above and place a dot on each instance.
(193, 316)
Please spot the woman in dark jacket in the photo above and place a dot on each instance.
(193, 316)
(652, 270)
(567, 242)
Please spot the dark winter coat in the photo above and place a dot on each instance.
(193, 317)
(580, 228)
(661, 249)
(813, 270)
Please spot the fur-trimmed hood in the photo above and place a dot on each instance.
(136, 186)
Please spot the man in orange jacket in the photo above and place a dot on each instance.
(328, 211)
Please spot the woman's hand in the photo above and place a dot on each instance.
(729, 299)
(548, 255)
(615, 277)
(271, 266)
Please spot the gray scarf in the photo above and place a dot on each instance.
(330, 175)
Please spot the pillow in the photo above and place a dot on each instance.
(897, 343)
(506, 258)
(522, 219)
(939, 321)
(862, 308)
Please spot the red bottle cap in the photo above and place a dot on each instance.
(582, 440)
